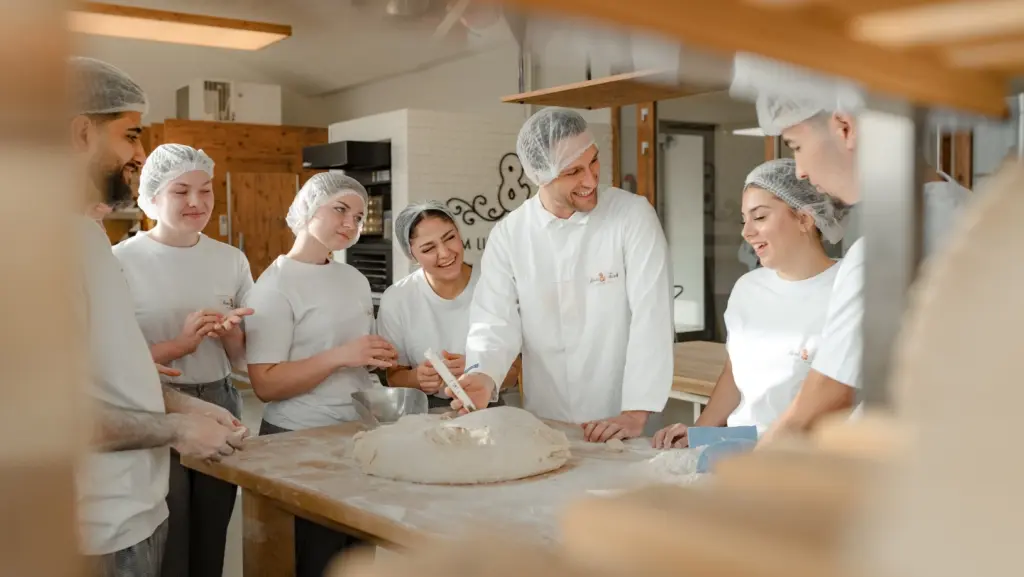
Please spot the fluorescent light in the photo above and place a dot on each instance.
(748, 132)
(174, 27)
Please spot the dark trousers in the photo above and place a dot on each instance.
(315, 545)
(139, 560)
(200, 506)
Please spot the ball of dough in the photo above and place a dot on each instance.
(486, 446)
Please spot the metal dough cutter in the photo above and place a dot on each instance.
(382, 406)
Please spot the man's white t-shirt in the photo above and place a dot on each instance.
(414, 318)
(121, 494)
(842, 343)
(169, 283)
(302, 310)
(774, 333)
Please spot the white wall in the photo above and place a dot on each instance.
(474, 85)
(161, 69)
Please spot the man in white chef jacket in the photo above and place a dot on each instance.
(122, 486)
(823, 140)
(578, 280)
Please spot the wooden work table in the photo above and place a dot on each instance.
(697, 367)
(311, 474)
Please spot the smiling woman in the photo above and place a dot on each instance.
(429, 309)
(187, 288)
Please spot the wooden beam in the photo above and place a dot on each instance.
(607, 92)
(790, 36)
(182, 18)
(939, 22)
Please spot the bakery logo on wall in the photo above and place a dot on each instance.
(513, 190)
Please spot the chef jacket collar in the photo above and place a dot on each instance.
(546, 218)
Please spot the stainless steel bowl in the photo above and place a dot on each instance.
(386, 405)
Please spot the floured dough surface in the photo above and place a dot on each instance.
(486, 446)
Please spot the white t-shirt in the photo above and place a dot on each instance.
(169, 283)
(121, 495)
(842, 345)
(414, 318)
(774, 332)
(302, 310)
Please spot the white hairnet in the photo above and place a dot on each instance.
(410, 217)
(787, 95)
(550, 141)
(101, 88)
(166, 163)
(317, 191)
(779, 178)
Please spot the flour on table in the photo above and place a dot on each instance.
(486, 446)
(674, 466)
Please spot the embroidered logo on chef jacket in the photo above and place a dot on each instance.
(805, 355)
(603, 278)
(227, 301)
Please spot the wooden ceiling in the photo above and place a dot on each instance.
(950, 54)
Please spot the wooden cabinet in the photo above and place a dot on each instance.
(265, 167)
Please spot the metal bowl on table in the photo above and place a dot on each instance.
(382, 406)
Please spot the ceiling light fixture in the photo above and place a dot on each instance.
(100, 19)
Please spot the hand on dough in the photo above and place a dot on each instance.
(628, 425)
(671, 437)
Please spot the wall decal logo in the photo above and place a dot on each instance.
(512, 192)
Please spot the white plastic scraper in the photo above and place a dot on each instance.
(449, 379)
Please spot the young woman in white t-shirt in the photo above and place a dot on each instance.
(311, 337)
(429, 309)
(187, 289)
(775, 313)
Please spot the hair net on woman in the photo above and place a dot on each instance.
(166, 163)
(317, 191)
(779, 178)
(411, 216)
(100, 88)
(550, 141)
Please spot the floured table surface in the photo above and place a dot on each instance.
(313, 472)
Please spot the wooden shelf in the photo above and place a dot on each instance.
(916, 50)
(125, 215)
(616, 90)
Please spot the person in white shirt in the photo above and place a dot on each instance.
(824, 147)
(122, 487)
(429, 309)
(310, 338)
(579, 281)
(775, 313)
(187, 288)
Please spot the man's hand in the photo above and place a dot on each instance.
(230, 326)
(202, 437)
(369, 351)
(167, 371)
(455, 363)
(671, 437)
(427, 378)
(478, 386)
(219, 414)
(628, 425)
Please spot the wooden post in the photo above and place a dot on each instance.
(268, 538)
(647, 146)
(43, 420)
(616, 112)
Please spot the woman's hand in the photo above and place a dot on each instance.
(671, 437)
(230, 327)
(427, 378)
(197, 326)
(455, 363)
(369, 351)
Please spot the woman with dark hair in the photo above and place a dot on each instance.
(429, 309)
